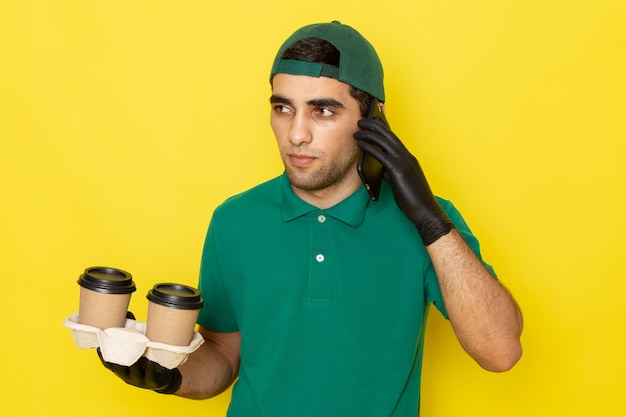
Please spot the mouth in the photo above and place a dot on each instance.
(302, 161)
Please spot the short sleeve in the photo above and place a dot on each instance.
(217, 313)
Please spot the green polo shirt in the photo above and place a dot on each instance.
(331, 304)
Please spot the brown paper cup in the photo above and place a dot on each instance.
(172, 313)
(104, 297)
(169, 325)
(102, 310)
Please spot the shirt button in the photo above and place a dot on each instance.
(321, 218)
(319, 258)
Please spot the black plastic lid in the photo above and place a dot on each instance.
(107, 280)
(177, 296)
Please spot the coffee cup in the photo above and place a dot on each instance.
(172, 313)
(104, 297)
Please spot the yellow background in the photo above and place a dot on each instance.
(124, 123)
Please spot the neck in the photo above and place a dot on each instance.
(329, 196)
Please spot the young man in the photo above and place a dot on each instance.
(316, 296)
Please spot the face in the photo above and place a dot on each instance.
(313, 120)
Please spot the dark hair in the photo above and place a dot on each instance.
(323, 52)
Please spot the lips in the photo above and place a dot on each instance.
(301, 160)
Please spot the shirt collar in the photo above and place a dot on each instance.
(350, 211)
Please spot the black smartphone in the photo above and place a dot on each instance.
(370, 170)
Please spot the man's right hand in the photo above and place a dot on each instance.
(146, 374)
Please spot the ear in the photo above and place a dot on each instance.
(382, 107)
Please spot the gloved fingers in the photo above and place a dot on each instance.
(135, 374)
(153, 373)
(393, 159)
(375, 139)
(380, 135)
(159, 378)
(146, 374)
(387, 144)
(385, 159)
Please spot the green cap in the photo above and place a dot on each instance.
(359, 65)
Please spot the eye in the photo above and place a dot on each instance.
(325, 112)
(280, 108)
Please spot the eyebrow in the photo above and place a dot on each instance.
(278, 99)
(317, 102)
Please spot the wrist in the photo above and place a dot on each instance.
(434, 228)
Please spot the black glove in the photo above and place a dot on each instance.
(403, 173)
(146, 374)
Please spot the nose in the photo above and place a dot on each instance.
(299, 130)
